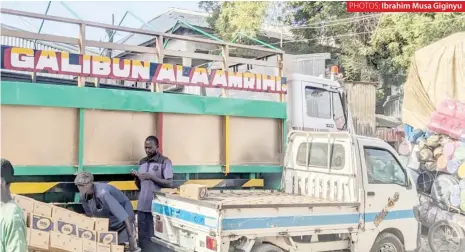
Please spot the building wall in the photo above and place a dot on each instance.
(361, 98)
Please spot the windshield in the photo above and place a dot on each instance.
(318, 102)
(325, 104)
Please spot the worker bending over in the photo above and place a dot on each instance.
(102, 200)
(155, 172)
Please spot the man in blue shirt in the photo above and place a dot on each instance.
(155, 172)
(106, 201)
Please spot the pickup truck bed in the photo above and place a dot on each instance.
(259, 199)
(236, 212)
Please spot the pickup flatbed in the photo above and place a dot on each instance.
(239, 212)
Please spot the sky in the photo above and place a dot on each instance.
(96, 11)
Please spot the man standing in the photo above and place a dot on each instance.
(12, 221)
(106, 201)
(155, 172)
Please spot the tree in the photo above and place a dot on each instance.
(228, 18)
(373, 46)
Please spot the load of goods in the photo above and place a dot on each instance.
(436, 157)
(52, 228)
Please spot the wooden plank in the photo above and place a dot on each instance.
(132, 30)
(184, 54)
(122, 47)
(252, 62)
(32, 35)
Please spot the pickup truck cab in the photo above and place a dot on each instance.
(339, 192)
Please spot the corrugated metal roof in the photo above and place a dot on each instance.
(165, 21)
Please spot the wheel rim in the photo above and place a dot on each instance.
(387, 247)
(445, 238)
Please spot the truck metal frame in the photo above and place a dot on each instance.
(35, 179)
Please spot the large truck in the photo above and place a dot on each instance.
(338, 190)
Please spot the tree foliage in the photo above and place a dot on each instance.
(373, 47)
(228, 18)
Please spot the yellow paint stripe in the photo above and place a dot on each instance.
(30, 188)
(254, 183)
(207, 182)
(134, 204)
(124, 185)
(227, 151)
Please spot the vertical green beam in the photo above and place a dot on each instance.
(81, 141)
(80, 167)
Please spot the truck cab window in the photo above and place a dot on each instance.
(318, 102)
(339, 114)
(383, 168)
(318, 155)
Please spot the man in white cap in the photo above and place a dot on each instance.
(106, 201)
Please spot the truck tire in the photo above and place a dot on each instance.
(387, 242)
(449, 234)
(265, 247)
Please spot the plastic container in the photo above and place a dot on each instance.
(447, 107)
(453, 166)
(449, 149)
(460, 111)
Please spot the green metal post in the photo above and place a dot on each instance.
(80, 167)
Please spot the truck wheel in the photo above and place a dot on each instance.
(446, 236)
(264, 247)
(387, 242)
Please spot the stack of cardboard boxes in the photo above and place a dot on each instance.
(52, 228)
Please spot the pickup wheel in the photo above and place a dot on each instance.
(387, 242)
(264, 247)
(446, 236)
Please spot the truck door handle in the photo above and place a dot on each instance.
(371, 193)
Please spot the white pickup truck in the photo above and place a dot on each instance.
(339, 192)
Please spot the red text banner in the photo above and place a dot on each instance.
(24, 59)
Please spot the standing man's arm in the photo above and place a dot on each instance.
(167, 173)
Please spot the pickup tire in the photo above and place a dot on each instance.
(264, 247)
(387, 242)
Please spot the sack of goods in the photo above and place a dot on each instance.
(438, 154)
(52, 228)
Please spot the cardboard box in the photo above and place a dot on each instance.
(60, 213)
(117, 248)
(107, 237)
(101, 224)
(65, 227)
(41, 223)
(44, 209)
(193, 191)
(59, 242)
(86, 222)
(75, 244)
(103, 247)
(25, 203)
(38, 240)
(89, 246)
(86, 234)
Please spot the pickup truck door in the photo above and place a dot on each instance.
(390, 194)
